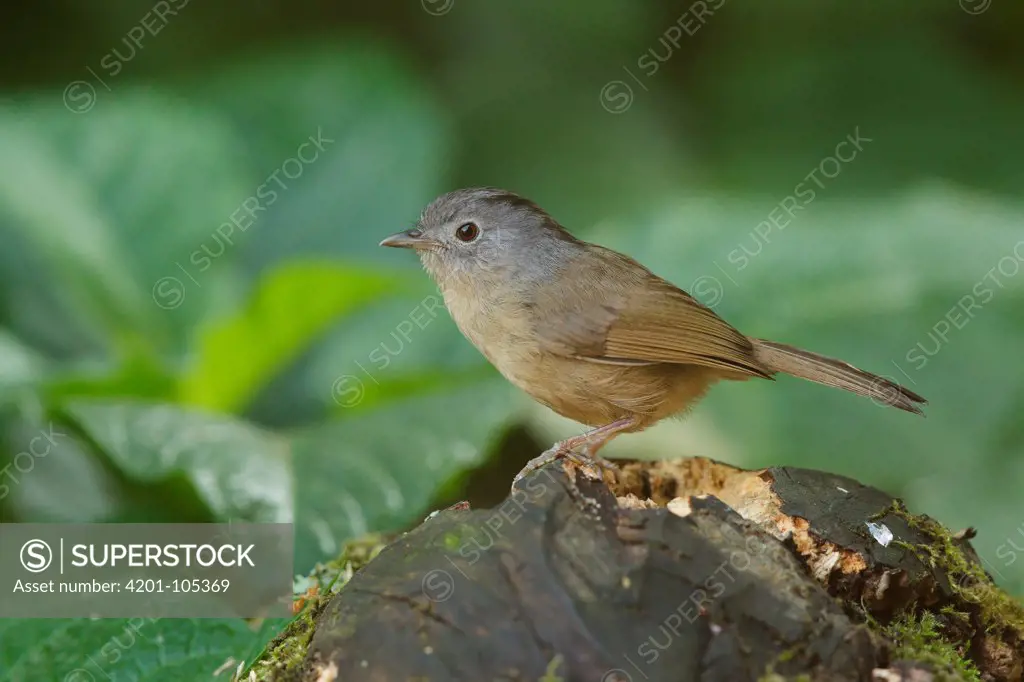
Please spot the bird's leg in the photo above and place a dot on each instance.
(589, 443)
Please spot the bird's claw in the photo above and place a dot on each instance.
(590, 462)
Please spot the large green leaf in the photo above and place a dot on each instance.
(20, 366)
(393, 343)
(375, 470)
(128, 649)
(239, 472)
(291, 308)
(114, 204)
(50, 475)
(386, 153)
(71, 235)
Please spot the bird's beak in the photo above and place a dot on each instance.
(410, 239)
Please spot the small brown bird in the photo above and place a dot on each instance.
(589, 332)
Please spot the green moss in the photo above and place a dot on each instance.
(784, 657)
(940, 638)
(283, 657)
(551, 674)
(452, 542)
(775, 677)
(961, 619)
(999, 610)
(771, 676)
(285, 654)
(358, 553)
(921, 640)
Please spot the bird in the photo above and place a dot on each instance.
(590, 332)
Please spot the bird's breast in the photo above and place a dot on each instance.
(499, 325)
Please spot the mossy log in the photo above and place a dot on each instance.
(677, 570)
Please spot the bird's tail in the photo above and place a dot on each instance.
(778, 357)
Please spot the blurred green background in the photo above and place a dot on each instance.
(196, 318)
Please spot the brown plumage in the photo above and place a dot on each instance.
(588, 331)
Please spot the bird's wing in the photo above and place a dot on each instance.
(623, 314)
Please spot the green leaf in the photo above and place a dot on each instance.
(393, 347)
(385, 158)
(377, 469)
(354, 392)
(20, 366)
(398, 343)
(128, 649)
(291, 308)
(382, 154)
(143, 181)
(136, 377)
(52, 476)
(239, 472)
(72, 236)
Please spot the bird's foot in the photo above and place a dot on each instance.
(592, 463)
(601, 462)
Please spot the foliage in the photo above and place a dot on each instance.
(922, 641)
(140, 649)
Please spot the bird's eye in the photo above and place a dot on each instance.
(467, 232)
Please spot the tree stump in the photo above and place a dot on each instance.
(676, 570)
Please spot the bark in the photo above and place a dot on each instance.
(681, 570)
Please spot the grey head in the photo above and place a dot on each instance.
(484, 230)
